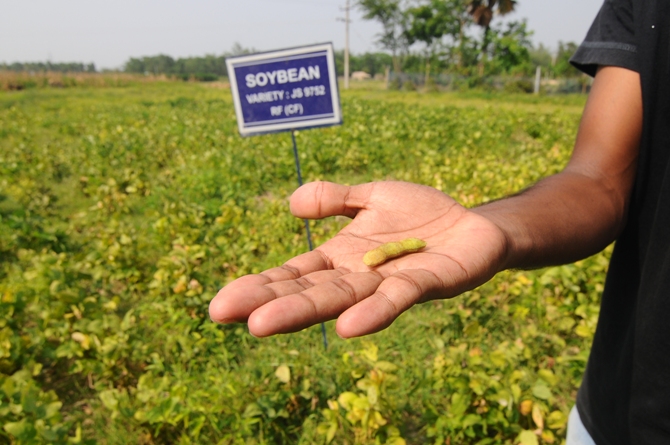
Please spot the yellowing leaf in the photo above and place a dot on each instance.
(476, 386)
(537, 417)
(556, 420)
(517, 375)
(180, 287)
(497, 358)
(369, 351)
(332, 430)
(394, 437)
(527, 438)
(548, 436)
(347, 399)
(386, 366)
(526, 407)
(547, 376)
(16, 429)
(471, 329)
(377, 420)
(373, 394)
(523, 279)
(8, 297)
(283, 373)
(565, 324)
(83, 339)
(583, 331)
(475, 352)
(108, 398)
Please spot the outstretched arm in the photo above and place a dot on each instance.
(562, 218)
(581, 210)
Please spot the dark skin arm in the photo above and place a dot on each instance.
(562, 218)
(581, 210)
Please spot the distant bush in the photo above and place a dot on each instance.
(430, 86)
(519, 86)
(408, 85)
(395, 84)
(206, 77)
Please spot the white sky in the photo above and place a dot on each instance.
(109, 33)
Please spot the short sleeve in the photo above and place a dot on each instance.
(610, 40)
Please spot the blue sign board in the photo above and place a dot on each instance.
(285, 90)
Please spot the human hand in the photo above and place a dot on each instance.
(464, 250)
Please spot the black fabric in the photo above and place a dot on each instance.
(610, 41)
(625, 394)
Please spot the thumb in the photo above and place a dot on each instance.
(319, 199)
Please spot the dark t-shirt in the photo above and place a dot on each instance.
(625, 395)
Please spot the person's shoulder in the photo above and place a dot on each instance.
(611, 39)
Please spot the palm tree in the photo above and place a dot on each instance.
(482, 13)
(482, 10)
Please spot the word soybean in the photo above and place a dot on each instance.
(290, 75)
(387, 251)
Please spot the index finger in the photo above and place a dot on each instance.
(235, 301)
(316, 304)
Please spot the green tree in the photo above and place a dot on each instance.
(563, 67)
(160, 64)
(511, 47)
(390, 14)
(134, 66)
(541, 56)
(371, 63)
(428, 23)
(208, 67)
(464, 53)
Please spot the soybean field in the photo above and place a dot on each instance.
(124, 209)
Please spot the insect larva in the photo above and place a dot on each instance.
(386, 251)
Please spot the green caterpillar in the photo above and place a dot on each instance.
(387, 251)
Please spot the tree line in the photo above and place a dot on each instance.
(507, 58)
(208, 67)
(373, 63)
(430, 36)
(37, 67)
(460, 37)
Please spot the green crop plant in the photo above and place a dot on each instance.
(124, 210)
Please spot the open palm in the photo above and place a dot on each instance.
(463, 251)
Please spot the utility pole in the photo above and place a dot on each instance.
(346, 45)
(346, 48)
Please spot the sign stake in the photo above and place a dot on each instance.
(286, 90)
(309, 234)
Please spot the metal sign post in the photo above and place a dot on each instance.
(286, 90)
(309, 234)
